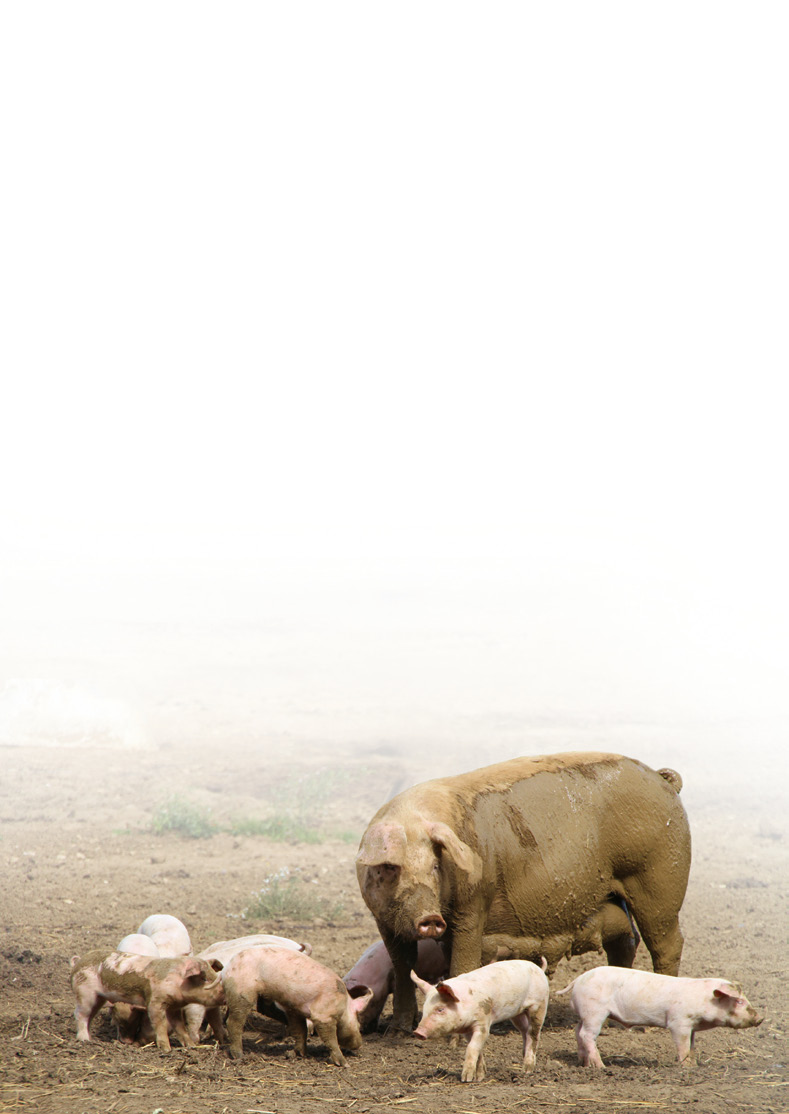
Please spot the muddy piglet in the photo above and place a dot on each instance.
(162, 987)
(302, 988)
(224, 950)
(128, 1019)
(683, 1006)
(514, 990)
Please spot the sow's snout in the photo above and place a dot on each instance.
(417, 914)
(431, 926)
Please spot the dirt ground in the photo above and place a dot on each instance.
(82, 866)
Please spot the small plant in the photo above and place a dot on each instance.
(282, 827)
(284, 895)
(345, 836)
(183, 817)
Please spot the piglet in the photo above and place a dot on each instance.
(302, 988)
(168, 933)
(131, 1022)
(138, 944)
(683, 1006)
(160, 986)
(224, 950)
(514, 989)
(374, 970)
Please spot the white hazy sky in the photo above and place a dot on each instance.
(450, 317)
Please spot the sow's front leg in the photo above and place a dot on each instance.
(403, 954)
(466, 942)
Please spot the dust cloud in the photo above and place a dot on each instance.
(398, 379)
(447, 679)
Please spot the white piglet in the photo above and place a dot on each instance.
(168, 933)
(683, 1006)
(513, 990)
(138, 944)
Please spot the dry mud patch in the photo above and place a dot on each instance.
(82, 867)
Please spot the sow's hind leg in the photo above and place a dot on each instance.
(657, 914)
(655, 887)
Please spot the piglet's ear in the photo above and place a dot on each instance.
(425, 987)
(360, 996)
(731, 999)
(192, 968)
(446, 991)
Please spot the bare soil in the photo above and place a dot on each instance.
(82, 867)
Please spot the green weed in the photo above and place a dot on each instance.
(280, 828)
(184, 818)
(286, 896)
(345, 836)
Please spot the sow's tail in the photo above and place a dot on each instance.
(617, 899)
(672, 777)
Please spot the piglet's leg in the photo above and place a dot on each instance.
(194, 1015)
(297, 1027)
(175, 1020)
(474, 1063)
(88, 1005)
(530, 1029)
(327, 1031)
(157, 1015)
(214, 1019)
(586, 1036)
(238, 1010)
(683, 1039)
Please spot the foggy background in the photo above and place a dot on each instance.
(403, 376)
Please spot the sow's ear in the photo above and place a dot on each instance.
(383, 843)
(461, 854)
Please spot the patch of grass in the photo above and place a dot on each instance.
(300, 810)
(282, 827)
(184, 818)
(345, 836)
(310, 791)
(286, 896)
